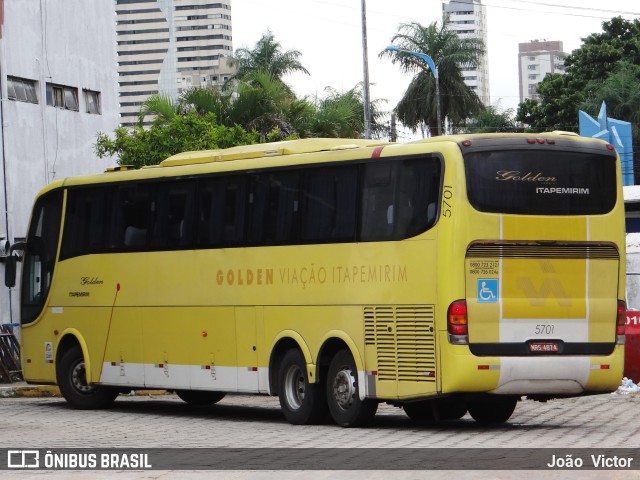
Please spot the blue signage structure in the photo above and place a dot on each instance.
(616, 132)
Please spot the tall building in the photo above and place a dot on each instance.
(167, 46)
(468, 19)
(535, 59)
(58, 87)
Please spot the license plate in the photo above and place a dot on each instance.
(544, 347)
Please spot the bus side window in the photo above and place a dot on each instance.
(329, 204)
(221, 211)
(84, 225)
(131, 218)
(417, 196)
(379, 212)
(173, 224)
(274, 208)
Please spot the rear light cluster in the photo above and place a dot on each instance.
(457, 323)
(540, 141)
(621, 321)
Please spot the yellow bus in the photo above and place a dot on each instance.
(445, 276)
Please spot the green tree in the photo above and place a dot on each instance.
(138, 146)
(267, 57)
(588, 69)
(490, 119)
(450, 53)
(257, 107)
(341, 115)
(621, 92)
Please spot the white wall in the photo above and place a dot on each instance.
(70, 43)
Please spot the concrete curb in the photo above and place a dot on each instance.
(21, 389)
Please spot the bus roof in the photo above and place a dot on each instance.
(289, 147)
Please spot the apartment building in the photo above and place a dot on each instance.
(167, 46)
(535, 59)
(58, 90)
(468, 19)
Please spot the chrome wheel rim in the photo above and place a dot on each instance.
(344, 388)
(295, 387)
(79, 378)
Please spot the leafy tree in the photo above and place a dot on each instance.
(490, 119)
(258, 107)
(588, 68)
(138, 146)
(267, 57)
(341, 115)
(529, 113)
(621, 92)
(449, 53)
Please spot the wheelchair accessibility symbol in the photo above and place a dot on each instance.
(487, 290)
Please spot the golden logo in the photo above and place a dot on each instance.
(517, 176)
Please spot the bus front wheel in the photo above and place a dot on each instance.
(343, 397)
(72, 380)
(492, 410)
(199, 398)
(302, 402)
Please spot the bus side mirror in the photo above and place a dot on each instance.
(10, 271)
(11, 261)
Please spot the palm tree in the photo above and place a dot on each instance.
(341, 115)
(267, 57)
(158, 105)
(450, 54)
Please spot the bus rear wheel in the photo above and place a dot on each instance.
(198, 398)
(492, 410)
(302, 402)
(420, 412)
(343, 396)
(72, 380)
(431, 411)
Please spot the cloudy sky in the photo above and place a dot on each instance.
(328, 33)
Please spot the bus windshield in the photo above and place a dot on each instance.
(541, 182)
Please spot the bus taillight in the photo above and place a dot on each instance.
(457, 324)
(621, 321)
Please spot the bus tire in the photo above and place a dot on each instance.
(72, 380)
(451, 408)
(492, 410)
(198, 398)
(420, 412)
(437, 409)
(302, 402)
(343, 398)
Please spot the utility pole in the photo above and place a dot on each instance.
(365, 65)
(393, 133)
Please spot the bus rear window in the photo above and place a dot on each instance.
(541, 182)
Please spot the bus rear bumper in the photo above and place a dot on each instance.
(540, 375)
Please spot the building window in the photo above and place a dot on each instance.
(62, 96)
(532, 59)
(22, 90)
(92, 101)
(533, 77)
(532, 67)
